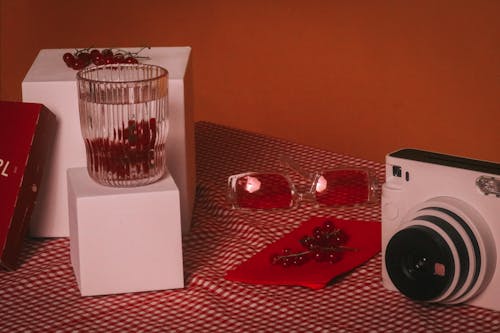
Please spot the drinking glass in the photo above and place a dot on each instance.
(124, 122)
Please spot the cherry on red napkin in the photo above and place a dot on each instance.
(364, 236)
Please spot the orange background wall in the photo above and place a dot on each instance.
(357, 77)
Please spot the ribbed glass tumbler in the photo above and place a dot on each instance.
(124, 122)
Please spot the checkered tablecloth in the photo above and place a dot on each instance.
(42, 295)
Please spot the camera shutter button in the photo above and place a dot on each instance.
(390, 211)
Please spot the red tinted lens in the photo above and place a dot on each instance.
(343, 187)
(263, 191)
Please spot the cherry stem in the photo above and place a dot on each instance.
(342, 248)
(291, 255)
(78, 51)
(125, 52)
(339, 248)
(134, 54)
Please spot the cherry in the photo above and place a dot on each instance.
(80, 63)
(287, 261)
(119, 157)
(107, 53)
(84, 57)
(95, 52)
(300, 259)
(307, 242)
(69, 59)
(97, 57)
(131, 60)
(328, 225)
(324, 245)
(118, 58)
(98, 60)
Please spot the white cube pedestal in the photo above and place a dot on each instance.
(124, 239)
(51, 83)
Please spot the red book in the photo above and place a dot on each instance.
(26, 134)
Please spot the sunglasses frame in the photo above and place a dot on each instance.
(308, 195)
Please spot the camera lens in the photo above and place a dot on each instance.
(442, 252)
(420, 263)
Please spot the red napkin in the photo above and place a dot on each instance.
(364, 236)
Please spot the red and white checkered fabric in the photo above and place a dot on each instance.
(42, 295)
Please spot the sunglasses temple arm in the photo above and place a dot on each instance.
(287, 161)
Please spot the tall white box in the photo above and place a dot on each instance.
(50, 82)
(124, 239)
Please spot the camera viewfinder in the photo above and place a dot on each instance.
(396, 171)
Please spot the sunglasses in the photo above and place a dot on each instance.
(336, 187)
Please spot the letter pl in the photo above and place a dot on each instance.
(4, 165)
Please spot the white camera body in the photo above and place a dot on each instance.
(441, 228)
